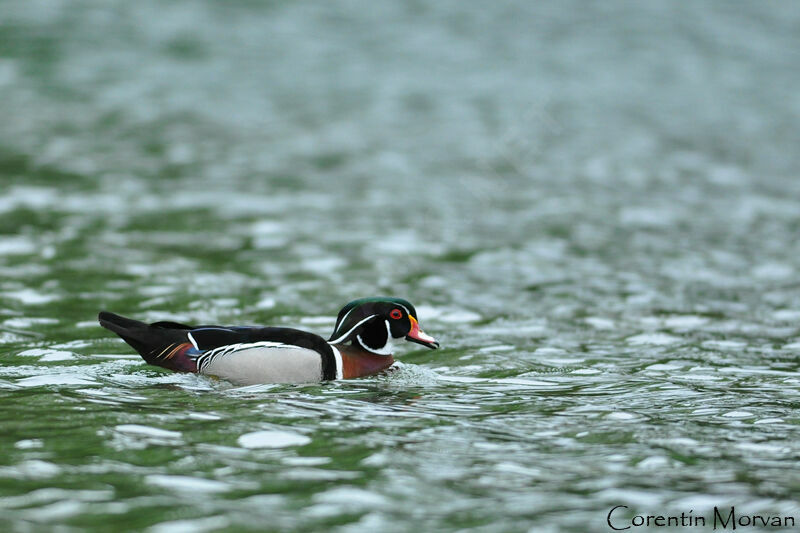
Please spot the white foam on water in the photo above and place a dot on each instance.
(147, 431)
(319, 474)
(773, 271)
(187, 483)
(653, 339)
(638, 498)
(516, 468)
(266, 303)
(764, 447)
(549, 351)
(199, 525)
(28, 444)
(505, 381)
(156, 290)
(599, 322)
(738, 414)
(262, 242)
(787, 315)
(306, 461)
(318, 320)
(272, 439)
(6, 337)
(27, 322)
(769, 421)
(31, 469)
(685, 322)
(700, 503)
(55, 379)
(35, 352)
(8, 71)
(665, 366)
(72, 344)
(646, 217)
(515, 330)
(30, 296)
(56, 511)
(323, 265)
(652, 463)
(16, 245)
(210, 303)
(350, 497)
(267, 227)
(682, 442)
(760, 371)
(792, 346)
(403, 243)
(203, 416)
(408, 375)
(48, 355)
(498, 348)
(698, 377)
(586, 371)
(724, 345)
(57, 355)
(456, 317)
(562, 361)
(621, 415)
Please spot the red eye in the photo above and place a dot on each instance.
(396, 314)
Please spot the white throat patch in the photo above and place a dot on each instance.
(386, 349)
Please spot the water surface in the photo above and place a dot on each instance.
(595, 209)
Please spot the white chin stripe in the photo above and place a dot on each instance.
(386, 349)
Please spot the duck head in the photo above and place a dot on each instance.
(373, 323)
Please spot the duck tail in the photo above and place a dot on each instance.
(163, 344)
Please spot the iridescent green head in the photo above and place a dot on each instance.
(373, 323)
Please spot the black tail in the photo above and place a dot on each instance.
(163, 343)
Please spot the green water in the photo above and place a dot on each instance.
(595, 209)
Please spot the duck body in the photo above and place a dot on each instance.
(246, 355)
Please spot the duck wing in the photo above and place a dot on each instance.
(177, 346)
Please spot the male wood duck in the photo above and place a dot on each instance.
(361, 345)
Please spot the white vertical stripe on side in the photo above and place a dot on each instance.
(338, 357)
(191, 339)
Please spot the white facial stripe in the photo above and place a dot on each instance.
(341, 338)
(343, 319)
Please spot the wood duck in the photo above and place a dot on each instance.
(361, 345)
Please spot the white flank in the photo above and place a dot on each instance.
(206, 358)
